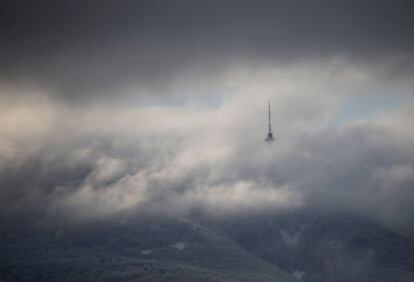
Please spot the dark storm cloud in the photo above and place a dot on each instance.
(83, 47)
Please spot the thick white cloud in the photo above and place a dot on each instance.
(83, 162)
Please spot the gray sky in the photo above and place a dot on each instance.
(85, 48)
(124, 106)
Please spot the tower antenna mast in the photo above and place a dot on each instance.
(269, 138)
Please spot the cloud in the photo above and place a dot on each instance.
(69, 163)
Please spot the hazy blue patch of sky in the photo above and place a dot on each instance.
(362, 107)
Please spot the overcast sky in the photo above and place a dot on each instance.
(129, 106)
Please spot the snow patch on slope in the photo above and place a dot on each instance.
(291, 240)
(146, 252)
(180, 246)
(298, 274)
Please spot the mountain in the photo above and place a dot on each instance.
(149, 249)
(287, 246)
(314, 247)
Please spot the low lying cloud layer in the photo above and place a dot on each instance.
(64, 162)
(113, 107)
